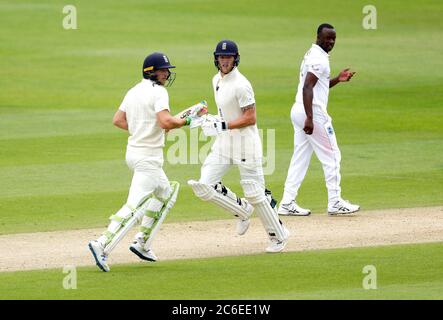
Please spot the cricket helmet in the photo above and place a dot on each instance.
(226, 48)
(156, 61)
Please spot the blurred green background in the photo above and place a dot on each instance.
(62, 161)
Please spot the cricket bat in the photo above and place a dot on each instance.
(184, 113)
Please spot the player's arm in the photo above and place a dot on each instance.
(245, 97)
(119, 120)
(343, 76)
(248, 118)
(214, 127)
(167, 121)
(308, 94)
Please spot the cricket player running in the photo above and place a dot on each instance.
(238, 142)
(313, 131)
(144, 112)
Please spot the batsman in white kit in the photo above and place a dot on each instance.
(144, 112)
(313, 131)
(237, 143)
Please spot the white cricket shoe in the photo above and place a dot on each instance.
(242, 226)
(143, 254)
(292, 209)
(342, 207)
(100, 257)
(276, 245)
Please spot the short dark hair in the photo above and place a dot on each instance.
(323, 26)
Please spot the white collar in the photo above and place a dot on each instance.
(230, 75)
(149, 82)
(314, 45)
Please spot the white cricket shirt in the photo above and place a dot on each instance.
(316, 61)
(141, 104)
(232, 93)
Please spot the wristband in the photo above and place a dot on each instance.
(224, 125)
(188, 121)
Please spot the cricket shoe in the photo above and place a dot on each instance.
(100, 257)
(276, 245)
(143, 254)
(243, 226)
(342, 207)
(292, 209)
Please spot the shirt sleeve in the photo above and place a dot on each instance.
(126, 102)
(317, 67)
(245, 95)
(161, 101)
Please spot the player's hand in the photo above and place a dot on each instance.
(213, 126)
(195, 118)
(196, 121)
(200, 110)
(309, 126)
(345, 75)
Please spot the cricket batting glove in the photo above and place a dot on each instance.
(196, 122)
(213, 126)
(195, 117)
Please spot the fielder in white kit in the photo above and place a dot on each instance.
(237, 143)
(313, 131)
(144, 112)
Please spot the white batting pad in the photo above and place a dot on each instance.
(256, 195)
(223, 197)
(125, 223)
(166, 206)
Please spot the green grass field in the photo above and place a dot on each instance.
(402, 272)
(62, 162)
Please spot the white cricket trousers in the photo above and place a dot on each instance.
(324, 143)
(148, 177)
(216, 166)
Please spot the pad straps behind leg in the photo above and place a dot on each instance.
(223, 197)
(156, 217)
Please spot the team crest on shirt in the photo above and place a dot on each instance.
(330, 131)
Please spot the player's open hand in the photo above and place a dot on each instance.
(345, 75)
(309, 126)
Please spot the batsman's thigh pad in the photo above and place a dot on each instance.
(223, 197)
(255, 193)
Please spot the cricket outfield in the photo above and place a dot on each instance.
(62, 162)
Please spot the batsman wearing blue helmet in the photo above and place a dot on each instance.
(237, 143)
(144, 113)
